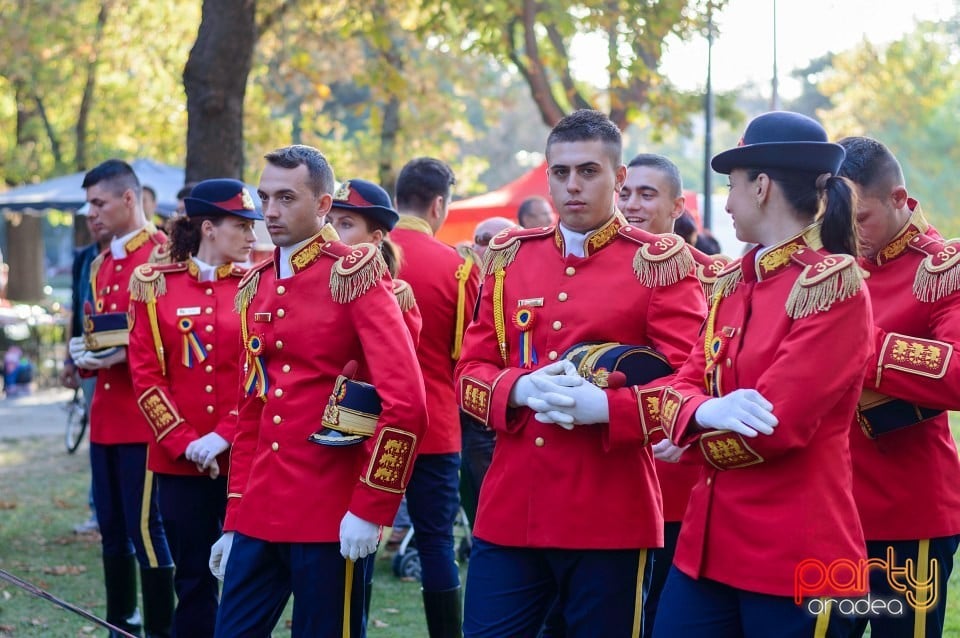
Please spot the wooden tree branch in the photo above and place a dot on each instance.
(566, 79)
(51, 132)
(86, 101)
(271, 18)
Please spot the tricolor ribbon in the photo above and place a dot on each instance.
(255, 369)
(193, 350)
(523, 319)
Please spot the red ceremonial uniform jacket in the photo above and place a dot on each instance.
(408, 306)
(184, 356)
(907, 482)
(114, 415)
(794, 324)
(677, 479)
(594, 487)
(299, 334)
(446, 290)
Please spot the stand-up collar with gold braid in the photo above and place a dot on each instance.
(139, 239)
(777, 257)
(304, 256)
(412, 222)
(597, 239)
(221, 272)
(916, 225)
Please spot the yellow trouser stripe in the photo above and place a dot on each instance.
(923, 594)
(823, 619)
(145, 519)
(638, 599)
(347, 595)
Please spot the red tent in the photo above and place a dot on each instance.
(465, 214)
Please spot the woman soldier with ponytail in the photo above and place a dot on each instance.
(184, 357)
(766, 401)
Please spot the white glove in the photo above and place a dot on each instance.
(560, 371)
(100, 359)
(666, 451)
(213, 469)
(743, 411)
(358, 538)
(75, 346)
(589, 403)
(219, 554)
(206, 449)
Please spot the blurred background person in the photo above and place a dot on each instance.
(535, 212)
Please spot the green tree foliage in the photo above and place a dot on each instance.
(84, 80)
(907, 95)
(536, 38)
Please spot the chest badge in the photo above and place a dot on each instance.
(524, 319)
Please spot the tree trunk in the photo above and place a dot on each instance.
(389, 129)
(25, 257)
(86, 102)
(215, 80)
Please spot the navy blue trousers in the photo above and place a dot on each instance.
(511, 589)
(192, 509)
(933, 567)
(691, 608)
(662, 561)
(261, 576)
(125, 497)
(433, 500)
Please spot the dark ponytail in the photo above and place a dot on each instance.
(185, 237)
(827, 198)
(392, 255)
(839, 230)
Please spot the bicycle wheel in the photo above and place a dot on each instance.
(76, 422)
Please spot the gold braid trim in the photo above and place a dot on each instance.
(934, 281)
(248, 289)
(94, 270)
(835, 278)
(499, 324)
(463, 276)
(404, 294)
(499, 258)
(155, 331)
(667, 264)
(726, 282)
(356, 273)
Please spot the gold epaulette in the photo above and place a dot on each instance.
(467, 252)
(149, 282)
(708, 268)
(358, 269)
(727, 279)
(247, 287)
(160, 255)
(825, 280)
(404, 294)
(502, 249)
(661, 260)
(939, 273)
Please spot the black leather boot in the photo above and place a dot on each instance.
(444, 613)
(120, 580)
(158, 601)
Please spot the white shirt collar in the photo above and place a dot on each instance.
(117, 244)
(286, 270)
(573, 242)
(207, 272)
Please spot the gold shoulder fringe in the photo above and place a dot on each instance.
(817, 292)
(350, 282)
(726, 282)
(147, 283)
(935, 281)
(248, 288)
(663, 269)
(404, 294)
(499, 258)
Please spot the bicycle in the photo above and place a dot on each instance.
(77, 419)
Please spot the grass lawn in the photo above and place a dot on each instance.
(43, 493)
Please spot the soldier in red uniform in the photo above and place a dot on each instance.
(906, 480)
(304, 518)
(184, 358)
(766, 399)
(445, 285)
(124, 492)
(652, 199)
(569, 514)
